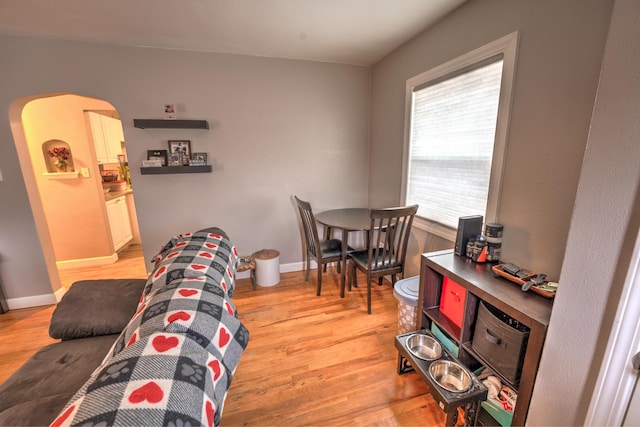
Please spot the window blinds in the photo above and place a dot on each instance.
(453, 126)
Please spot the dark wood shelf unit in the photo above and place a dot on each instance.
(165, 170)
(170, 124)
(528, 308)
(443, 321)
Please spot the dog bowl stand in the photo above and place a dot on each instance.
(448, 401)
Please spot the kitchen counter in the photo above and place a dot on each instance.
(115, 194)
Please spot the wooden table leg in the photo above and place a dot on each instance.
(345, 244)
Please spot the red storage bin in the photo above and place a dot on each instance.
(452, 300)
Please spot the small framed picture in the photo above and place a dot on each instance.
(175, 159)
(198, 159)
(169, 111)
(158, 155)
(182, 148)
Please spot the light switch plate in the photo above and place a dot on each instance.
(84, 172)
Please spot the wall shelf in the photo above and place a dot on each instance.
(61, 175)
(164, 170)
(170, 124)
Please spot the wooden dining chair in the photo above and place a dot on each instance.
(386, 247)
(322, 251)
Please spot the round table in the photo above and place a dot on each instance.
(347, 219)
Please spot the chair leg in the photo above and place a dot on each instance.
(355, 277)
(327, 236)
(394, 279)
(380, 280)
(319, 281)
(339, 267)
(306, 276)
(368, 293)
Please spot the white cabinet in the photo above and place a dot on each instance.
(118, 213)
(107, 137)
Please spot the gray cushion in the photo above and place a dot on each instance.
(96, 307)
(60, 368)
(37, 412)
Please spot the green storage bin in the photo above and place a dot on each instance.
(502, 416)
(444, 340)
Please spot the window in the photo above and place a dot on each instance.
(455, 137)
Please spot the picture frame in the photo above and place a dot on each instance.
(198, 159)
(158, 155)
(175, 159)
(169, 111)
(181, 147)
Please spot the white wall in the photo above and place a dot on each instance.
(278, 128)
(604, 227)
(559, 57)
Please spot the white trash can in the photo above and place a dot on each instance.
(406, 292)
(267, 267)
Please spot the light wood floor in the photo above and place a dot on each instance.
(310, 360)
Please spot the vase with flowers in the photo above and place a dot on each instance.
(60, 157)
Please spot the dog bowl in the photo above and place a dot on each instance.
(450, 376)
(424, 347)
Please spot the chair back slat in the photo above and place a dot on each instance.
(310, 228)
(391, 228)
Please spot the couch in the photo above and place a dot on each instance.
(160, 351)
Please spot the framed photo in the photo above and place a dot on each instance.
(169, 111)
(158, 155)
(198, 159)
(175, 159)
(181, 148)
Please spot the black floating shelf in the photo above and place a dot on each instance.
(175, 169)
(170, 124)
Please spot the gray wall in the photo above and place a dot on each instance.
(289, 136)
(559, 57)
(604, 231)
(278, 128)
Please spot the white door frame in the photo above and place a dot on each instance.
(616, 380)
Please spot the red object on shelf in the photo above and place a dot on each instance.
(452, 300)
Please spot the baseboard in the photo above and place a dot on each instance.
(295, 266)
(87, 262)
(284, 268)
(60, 293)
(33, 301)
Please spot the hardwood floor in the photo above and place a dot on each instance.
(310, 360)
(323, 360)
(130, 264)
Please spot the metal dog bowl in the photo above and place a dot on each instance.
(424, 347)
(450, 376)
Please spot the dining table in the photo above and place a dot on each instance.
(347, 220)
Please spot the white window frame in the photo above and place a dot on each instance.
(508, 47)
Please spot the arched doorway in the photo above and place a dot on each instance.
(70, 207)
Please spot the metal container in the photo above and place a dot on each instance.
(450, 376)
(424, 347)
(493, 230)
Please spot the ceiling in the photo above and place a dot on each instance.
(359, 32)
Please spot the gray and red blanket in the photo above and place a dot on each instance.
(173, 363)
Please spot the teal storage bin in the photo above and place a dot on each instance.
(502, 416)
(444, 340)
